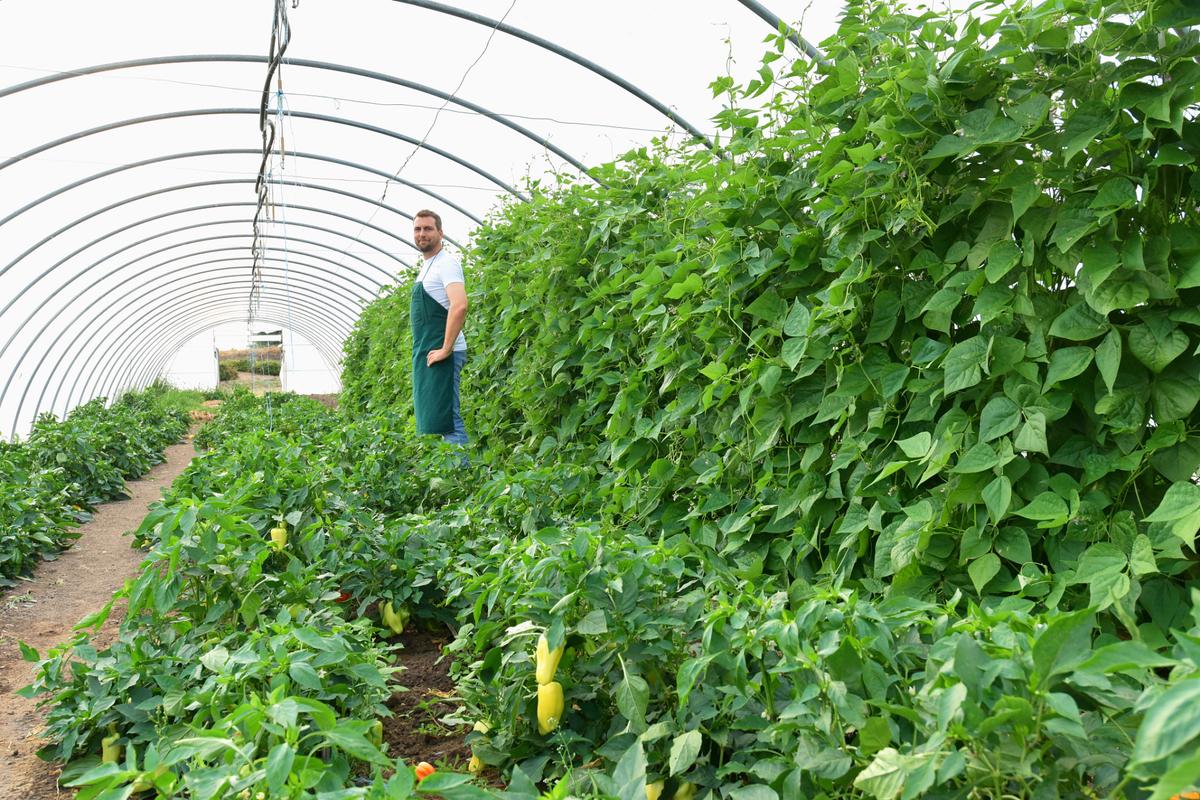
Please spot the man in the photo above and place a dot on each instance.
(438, 311)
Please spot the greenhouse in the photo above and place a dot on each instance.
(711, 400)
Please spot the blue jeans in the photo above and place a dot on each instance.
(460, 430)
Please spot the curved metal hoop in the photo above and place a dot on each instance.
(181, 187)
(775, 22)
(209, 112)
(154, 362)
(64, 284)
(339, 303)
(151, 372)
(228, 296)
(303, 62)
(230, 151)
(557, 49)
(98, 311)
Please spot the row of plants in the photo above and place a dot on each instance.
(680, 670)
(246, 663)
(53, 479)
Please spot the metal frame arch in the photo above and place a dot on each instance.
(775, 22)
(559, 50)
(104, 321)
(110, 371)
(195, 185)
(308, 63)
(209, 112)
(174, 246)
(151, 362)
(303, 324)
(98, 323)
(109, 328)
(229, 151)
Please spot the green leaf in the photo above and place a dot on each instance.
(715, 371)
(1032, 436)
(767, 306)
(917, 446)
(1108, 358)
(983, 569)
(962, 364)
(1000, 416)
(1115, 193)
(689, 285)
(350, 741)
(1157, 343)
(684, 750)
(1047, 507)
(997, 495)
(1141, 559)
(979, 458)
(797, 321)
(1171, 724)
(1082, 129)
(1173, 398)
(279, 766)
(1065, 642)
(1078, 323)
(630, 774)
(1180, 501)
(594, 624)
(633, 695)
(885, 776)
(1003, 256)
(303, 674)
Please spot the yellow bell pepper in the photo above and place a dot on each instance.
(547, 660)
(685, 791)
(395, 619)
(110, 751)
(653, 790)
(481, 726)
(549, 707)
(475, 766)
(375, 733)
(279, 537)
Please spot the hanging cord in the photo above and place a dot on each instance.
(281, 36)
(280, 104)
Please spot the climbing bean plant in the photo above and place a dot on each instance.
(924, 323)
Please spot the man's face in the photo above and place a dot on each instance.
(426, 235)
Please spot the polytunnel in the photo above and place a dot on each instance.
(533, 400)
(235, 167)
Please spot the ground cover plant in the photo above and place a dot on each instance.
(854, 457)
(52, 480)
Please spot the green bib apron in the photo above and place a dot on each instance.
(433, 387)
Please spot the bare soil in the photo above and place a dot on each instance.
(42, 612)
(418, 731)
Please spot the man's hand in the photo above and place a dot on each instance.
(435, 356)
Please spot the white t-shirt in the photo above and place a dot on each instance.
(436, 273)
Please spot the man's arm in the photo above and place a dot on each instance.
(457, 294)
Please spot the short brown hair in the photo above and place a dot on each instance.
(425, 212)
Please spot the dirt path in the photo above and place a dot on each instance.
(42, 612)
